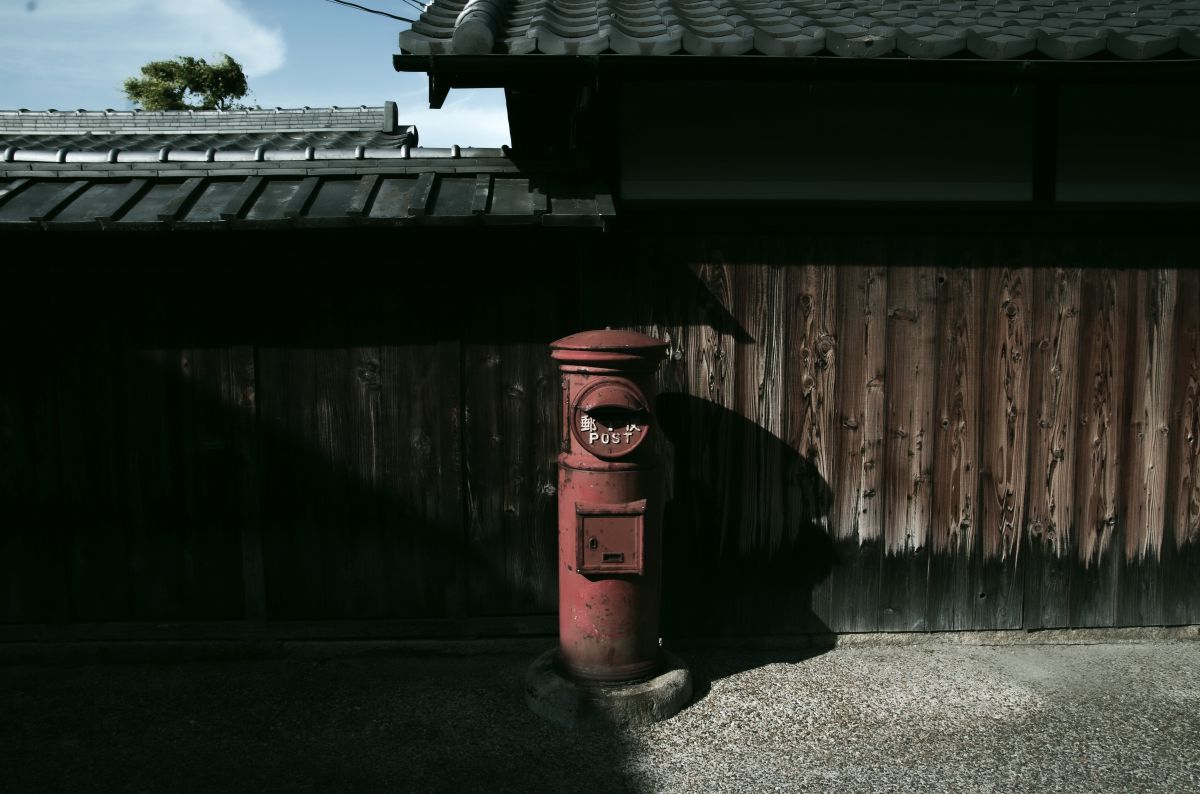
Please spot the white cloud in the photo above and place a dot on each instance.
(91, 47)
(76, 53)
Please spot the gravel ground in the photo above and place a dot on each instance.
(1120, 717)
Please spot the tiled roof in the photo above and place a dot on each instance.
(209, 136)
(218, 141)
(485, 191)
(192, 121)
(262, 162)
(266, 169)
(994, 29)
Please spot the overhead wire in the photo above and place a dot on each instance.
(419, 6)
(412, 3)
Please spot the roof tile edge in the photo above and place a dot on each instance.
(379, 117)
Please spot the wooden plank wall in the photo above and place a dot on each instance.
(909, 433)
(124, 481)
(1003, 432)
(244, 447)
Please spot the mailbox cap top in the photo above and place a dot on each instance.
(617, 341)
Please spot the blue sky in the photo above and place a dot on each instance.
(69, 54)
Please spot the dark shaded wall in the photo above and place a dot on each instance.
(283, 428)
(354, 432)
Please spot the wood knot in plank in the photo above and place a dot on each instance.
(420, 443)
(368, 375)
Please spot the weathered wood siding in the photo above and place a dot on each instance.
(1007, 430)
(916, 432)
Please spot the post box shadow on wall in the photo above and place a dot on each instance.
(744, 540)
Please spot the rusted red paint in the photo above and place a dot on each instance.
(609, 506)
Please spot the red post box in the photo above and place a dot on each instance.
(609, 506)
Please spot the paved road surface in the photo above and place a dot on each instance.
(923, 717)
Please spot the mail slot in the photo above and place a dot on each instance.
(610, 506)
(610, 419)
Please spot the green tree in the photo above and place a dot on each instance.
(188, 83)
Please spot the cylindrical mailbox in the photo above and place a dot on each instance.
(609, 506)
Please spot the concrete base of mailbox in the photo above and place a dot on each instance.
(572, 704)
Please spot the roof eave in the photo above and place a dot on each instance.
(505, 71)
